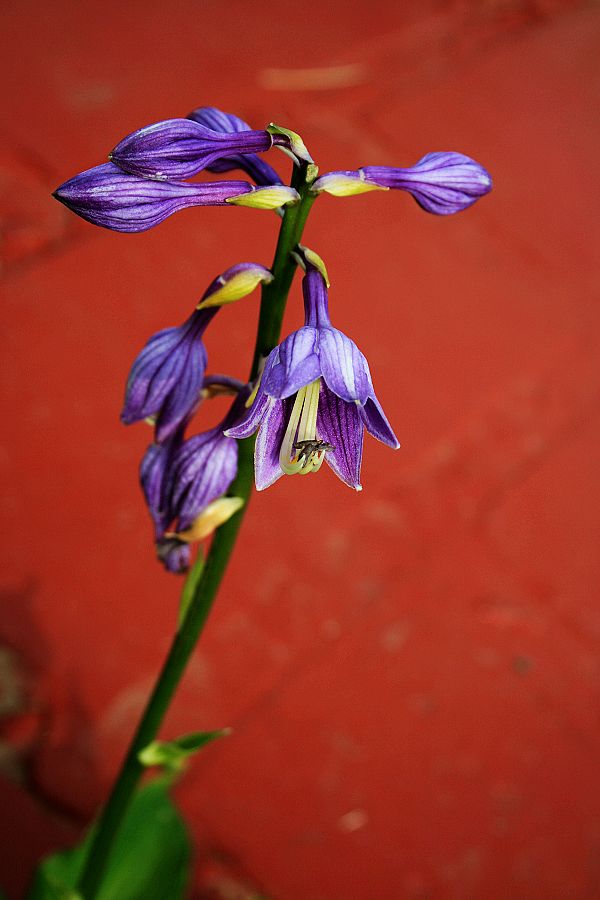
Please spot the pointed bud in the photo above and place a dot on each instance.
(235, 283)
(110, 198)
(441, 183)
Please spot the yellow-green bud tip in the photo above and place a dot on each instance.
(233, 285)
(269, 197)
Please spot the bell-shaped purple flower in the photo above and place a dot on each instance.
(166, 378)
(180, 148)
(108, 197)
(315, 397)
(255, 167)
(441, 183)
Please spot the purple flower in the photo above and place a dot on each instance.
(108, 197)
(441, 183)
(201, 471)
(166, 378)
(180, 148)
(315, 397)
(154, 478)
(186, 480)
(255, 167)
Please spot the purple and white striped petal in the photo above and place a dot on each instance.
(180, 148)
(110, 198)
(201, 471)
(339, 423)
(153, 473)
(297, 364)
(255, 167)
(166, 378)
(442, 183)
(268, 444)
(344, 368)
(376, 423)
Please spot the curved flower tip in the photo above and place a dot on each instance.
(290, 142)
(441, 183)
(166, 378)
(110, 198)
(235, 283)
(255, 167)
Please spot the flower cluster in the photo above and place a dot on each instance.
(314, 397)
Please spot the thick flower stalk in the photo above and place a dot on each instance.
(315, 397)
(441, 183)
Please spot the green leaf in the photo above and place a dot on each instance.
(150, 856)
(173, 754)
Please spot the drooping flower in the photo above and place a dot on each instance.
(184, 483)
(166, 378)
(441, 183)
(254, 166)
(108, 197)
(180, 148)
(314, 398)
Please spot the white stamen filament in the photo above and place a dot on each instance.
(302, 426)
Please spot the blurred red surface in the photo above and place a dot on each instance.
(413, 673)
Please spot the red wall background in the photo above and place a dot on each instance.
(413, 673)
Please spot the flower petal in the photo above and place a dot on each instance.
(250, 422)
(339, 423)
(268, 444)
(344, 368)
(376, 423)
(296, 366)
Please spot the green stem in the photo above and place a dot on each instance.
(274, 297)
